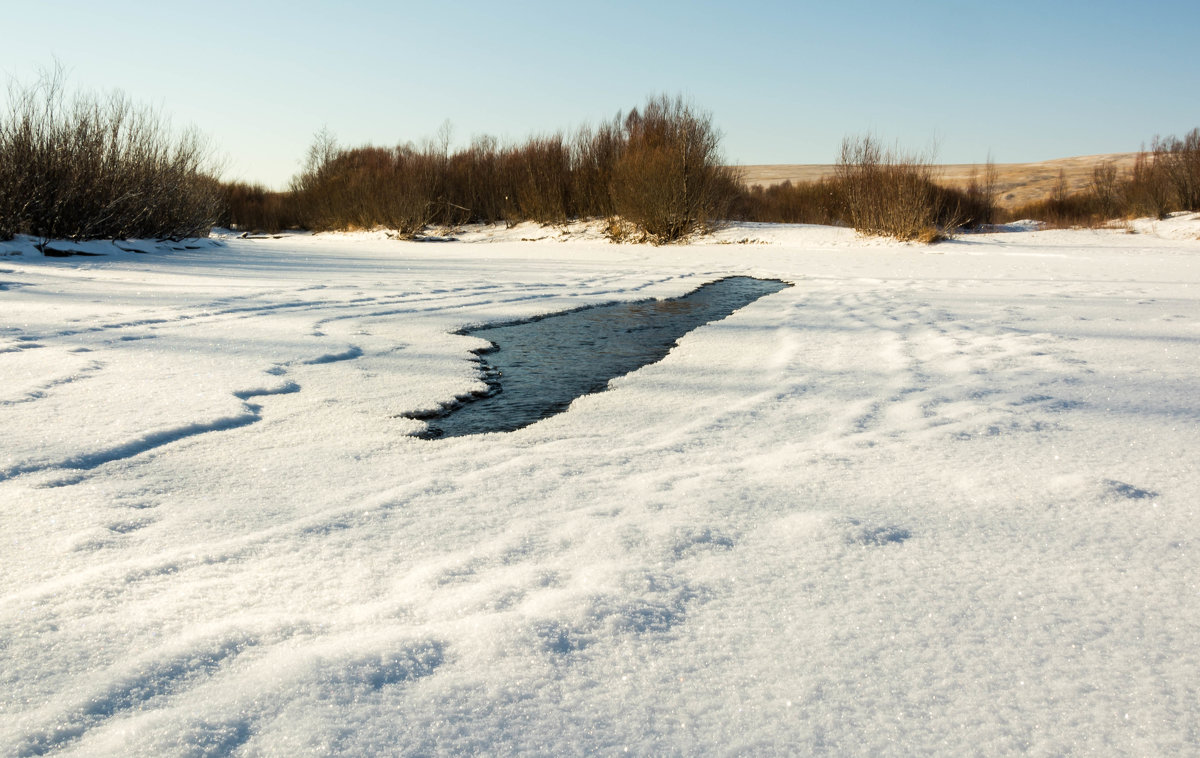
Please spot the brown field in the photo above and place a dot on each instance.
(1018, 183)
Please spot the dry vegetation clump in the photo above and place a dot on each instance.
(1178, 160)
(890, 194)
(977, 204)
(886, 194)
(1102, 200)
(668, 179)
(1163, 179)
(819, 202)
(368, 186)
(93, 167)
(407, 188)
(594, 155)
(535, 179)
(655, 174)
(877, 191)
(659, 169)
(254, 208)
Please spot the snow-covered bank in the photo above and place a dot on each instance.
(927, 501)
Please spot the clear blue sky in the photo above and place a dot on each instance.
(784, 81)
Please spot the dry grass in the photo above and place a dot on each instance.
(1083, 191)
(1016, 183)
(1163, 179)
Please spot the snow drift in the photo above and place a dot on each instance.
(926, 501)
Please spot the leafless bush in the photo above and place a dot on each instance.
(978, 207)
(1178, 160)
(594, 155)
(819, 202)
(1163, 179)
(365, 187)
(659, 169)
(1065, 208)
(475, 180)
(669, 179)
(313, 189)
(537, 181)
(1147, 189)
(1106, 190)
(893, 195)
(1069, 210)
(253, 207)
(99, 167)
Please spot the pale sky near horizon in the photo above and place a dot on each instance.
(784, 81)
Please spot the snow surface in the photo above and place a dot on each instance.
(930, 500)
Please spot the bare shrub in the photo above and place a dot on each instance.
(408, 188)
(313, 188)
(669, 179)
(1065, 208)
(1062, 210)
(660, 169)
(92, 167)
(978, 207)
(1106, 190)
(1163, 179)
(536, 180)
(406, 195)
(594, 155)
(365, 187)
(1178, 160)
(253, 207)
(890, 194)
(475, 179)
(819, 202)
(1148, 189)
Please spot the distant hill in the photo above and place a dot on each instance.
(1018, 183)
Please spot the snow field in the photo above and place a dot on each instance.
(927, 501)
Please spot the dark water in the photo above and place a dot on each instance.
(536, 368)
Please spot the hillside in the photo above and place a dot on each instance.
(1019, 183)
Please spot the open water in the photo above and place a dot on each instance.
(536, 368)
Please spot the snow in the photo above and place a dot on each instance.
(930, 500)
